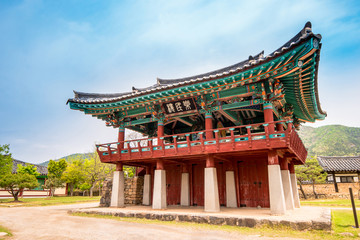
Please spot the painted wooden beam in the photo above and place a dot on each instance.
(233, 117)
(185, 121)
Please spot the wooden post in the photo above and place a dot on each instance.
(208, 126)
(335, 183)
(121, 136)
(279, 127)
(160, 130)
(269, 116)
(354, 208)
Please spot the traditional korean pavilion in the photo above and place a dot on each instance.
(341, 169)
(223, 138)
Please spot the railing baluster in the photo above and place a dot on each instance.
(129, 150)
(139, 147)
(267, 137)
(188, 142)
(161, 139)
(151, 146)
(175, 144)
(248, 129)
(217, 139)
(202, 141)
(109, 151)
(232, 137)
(119, 149)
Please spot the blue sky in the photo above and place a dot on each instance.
(49, 48)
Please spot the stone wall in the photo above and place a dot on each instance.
(133, 191)
(327, 190)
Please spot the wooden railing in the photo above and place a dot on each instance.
(237, 138)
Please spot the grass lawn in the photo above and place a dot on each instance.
(3, 229)
(33, 202)
(345, 203)
(342, 222)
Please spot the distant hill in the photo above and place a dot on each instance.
(331, 140)
(69, 158)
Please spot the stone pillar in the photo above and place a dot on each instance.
(295, 191)
(276, 191)
(230, 190)
(185, 187)
(159, 193)
(269, 116)
(147, 187)
(117, 194)
(211, 203)
(285, 177)
(208, 126)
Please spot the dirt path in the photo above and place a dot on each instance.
(53, 222)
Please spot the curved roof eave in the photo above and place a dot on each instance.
(163, 84)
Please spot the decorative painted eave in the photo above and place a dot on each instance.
(252, 70)
(339, 164)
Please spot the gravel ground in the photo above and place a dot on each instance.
(53, 222)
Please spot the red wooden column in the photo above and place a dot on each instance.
(269, 116)
(276, 191)
(294, 185)
(121, 136)
(211, 198)
(209, 125)
(160, 130)
(286, 181)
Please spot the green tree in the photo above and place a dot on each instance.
(55, 172)
(311, 171)
(27, 169)
(301, 176)
(74, 174)
(95, 172)
(6, 161)
(16, 183)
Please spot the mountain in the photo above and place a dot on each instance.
(69, 158)
(331, 140)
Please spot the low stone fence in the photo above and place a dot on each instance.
(133, 191)
(327, 190)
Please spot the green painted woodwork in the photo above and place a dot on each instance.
(295, 70)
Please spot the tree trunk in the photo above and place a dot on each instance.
(302, 190)
(16, 195)
(71, 189)
(313, 184)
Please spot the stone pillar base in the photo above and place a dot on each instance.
(288, 195)
(146, 190)
(230, 190)
(159, 194)
(185, 190)
(211, 203)
(276, 191)
(117, 194)
(295, 191)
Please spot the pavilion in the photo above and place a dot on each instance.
(223, 138)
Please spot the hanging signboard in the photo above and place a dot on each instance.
(180, 106)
